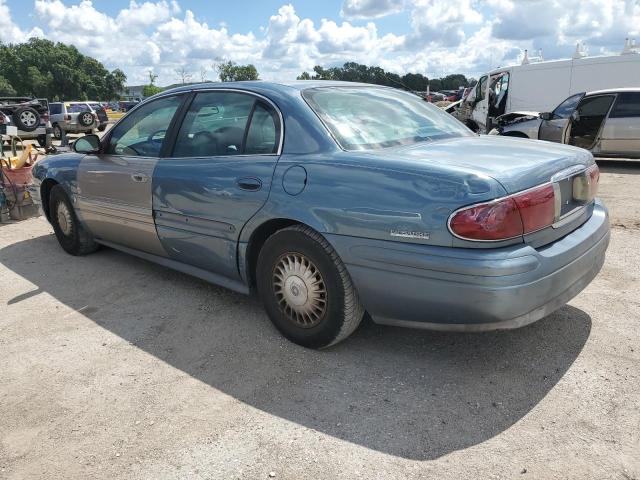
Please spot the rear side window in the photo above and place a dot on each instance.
(627, 105)
(216, 125)
(262, 136)
(77, 108)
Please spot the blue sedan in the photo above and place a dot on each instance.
(333, 199)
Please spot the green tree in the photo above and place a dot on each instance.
(57, 71)
(232, 72)
(5, 88)
(150, 90)
(355, 72)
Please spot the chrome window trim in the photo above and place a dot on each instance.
(213, 89)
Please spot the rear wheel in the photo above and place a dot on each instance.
(306, 289)
(71, 235)
(57, 132)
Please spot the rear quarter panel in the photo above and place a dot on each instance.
(345, 194)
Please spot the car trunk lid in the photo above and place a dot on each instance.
(518, 165)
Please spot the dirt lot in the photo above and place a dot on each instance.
(112, 367)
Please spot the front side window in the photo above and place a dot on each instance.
(142, 132)
(481, 89)
(362, 118)
(216, 123)
(627, 105)
(566, 108)
(55, 108)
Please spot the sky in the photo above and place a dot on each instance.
(283, 38)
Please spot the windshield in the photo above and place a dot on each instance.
(363, 118)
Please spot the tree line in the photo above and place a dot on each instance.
(56, 71)
(356, 72)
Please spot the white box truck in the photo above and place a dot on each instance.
(531, 88)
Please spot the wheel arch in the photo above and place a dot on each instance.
(257, 240)
(45, 192)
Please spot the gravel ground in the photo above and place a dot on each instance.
(112, 367)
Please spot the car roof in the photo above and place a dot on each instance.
(615, 90)
(260, 85)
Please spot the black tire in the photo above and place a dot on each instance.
(85, 119)
(26, 119)
(57, 132)
(102, 128)
(336, 318)
(73, 237)
(42, 140)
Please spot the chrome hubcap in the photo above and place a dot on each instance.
(300, 290)
(28, 118)
(64, 219)
(87, 118)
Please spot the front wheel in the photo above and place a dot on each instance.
(71, 235)
(306, 289)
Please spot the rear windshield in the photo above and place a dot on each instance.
(77, 107)
(363, 118)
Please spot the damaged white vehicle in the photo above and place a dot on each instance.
(606, 122)
(537, 86)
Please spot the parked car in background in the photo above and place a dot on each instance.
(72, 117)
(126, 106)
(606, 122)
(332, 199)
(101, 113)
(29, 115)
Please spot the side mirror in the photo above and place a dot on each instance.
(575, 116)
(546, 115)
(87, 144)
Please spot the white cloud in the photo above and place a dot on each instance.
(438, 36)
(10, 32)
(353, 9)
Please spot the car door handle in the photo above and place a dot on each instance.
(139, 177)
(249, 183)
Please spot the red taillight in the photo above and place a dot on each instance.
(67, 117)
(508, 217)
(497, 220)
(537, 208)
(45, 117)
(520, 213)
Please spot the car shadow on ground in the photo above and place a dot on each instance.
(409, 393)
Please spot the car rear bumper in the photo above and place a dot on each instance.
(473, 289)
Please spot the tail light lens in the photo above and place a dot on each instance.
(537, 208)
(67, 117)
(521, 213)
(497, 220)
(44, 117)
